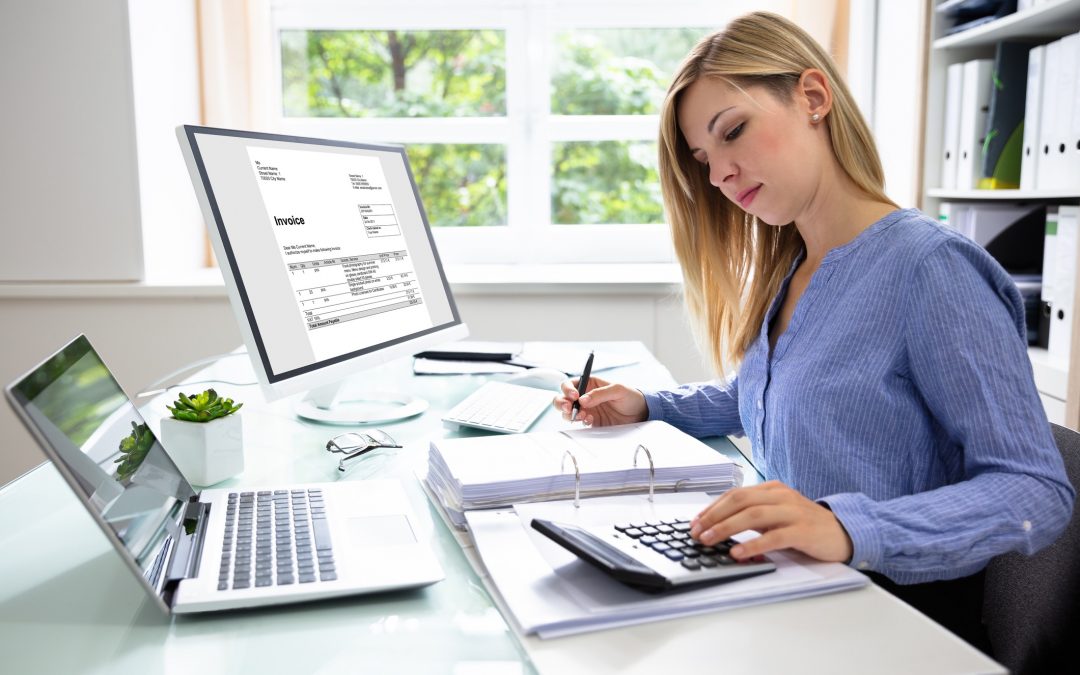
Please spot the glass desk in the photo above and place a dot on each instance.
(68, 603)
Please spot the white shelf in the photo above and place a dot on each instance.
(1010, 195)
(1039, 24)
(1055, 18)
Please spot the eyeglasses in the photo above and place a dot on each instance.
(357, 444)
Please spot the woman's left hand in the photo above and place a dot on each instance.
(785, 519)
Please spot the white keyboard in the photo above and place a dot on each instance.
(502, 407)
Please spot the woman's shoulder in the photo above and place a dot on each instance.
(916, 236)
(937, 260)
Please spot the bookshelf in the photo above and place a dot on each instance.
(1042, 23)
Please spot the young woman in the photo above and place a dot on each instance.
(883, 378)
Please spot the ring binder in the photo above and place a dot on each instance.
(497, 471)
(577, 477)
(652, 467)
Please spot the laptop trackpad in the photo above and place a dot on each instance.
(392, 530)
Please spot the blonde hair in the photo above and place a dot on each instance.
(732, 264)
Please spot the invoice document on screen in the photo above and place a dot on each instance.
(342, 247)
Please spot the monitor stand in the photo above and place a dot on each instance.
(323, 404)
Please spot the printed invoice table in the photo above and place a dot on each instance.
(68, 604)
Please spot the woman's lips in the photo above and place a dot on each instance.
(748, 196)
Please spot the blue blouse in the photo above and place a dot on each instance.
(900, 395)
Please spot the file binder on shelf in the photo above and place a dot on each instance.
(1029, 163)
(1003, 147)
(974, 111)
(1058, 169)
(1072, 141)
(1049, 276)
(1067, 248)
(486, 472)
(1010, 233)
(954, 84)
(953, 215)
(1046, 176)
(1066, 176)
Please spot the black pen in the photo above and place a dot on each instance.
(583, 384)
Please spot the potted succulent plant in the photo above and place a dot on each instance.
(204, 437)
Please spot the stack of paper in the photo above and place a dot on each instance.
(548, 591)
(493, 471)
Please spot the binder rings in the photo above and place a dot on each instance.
(493, 471)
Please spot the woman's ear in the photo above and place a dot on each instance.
(814, 94)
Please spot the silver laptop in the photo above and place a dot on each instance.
(220, 548)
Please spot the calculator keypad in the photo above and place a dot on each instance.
(671, 538)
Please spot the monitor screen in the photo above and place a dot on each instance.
(107, 452)
(325, 245)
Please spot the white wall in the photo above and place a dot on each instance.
(165, 75)
(898, 95)
(68, 171)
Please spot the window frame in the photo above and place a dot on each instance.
(529, 129)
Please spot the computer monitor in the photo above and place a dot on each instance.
(328, 259)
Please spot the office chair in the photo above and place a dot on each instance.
(1031, 605)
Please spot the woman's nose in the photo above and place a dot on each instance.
(719, 171)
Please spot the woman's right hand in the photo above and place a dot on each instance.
(604, 404)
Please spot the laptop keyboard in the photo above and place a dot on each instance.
(671, 539)
(278, 537)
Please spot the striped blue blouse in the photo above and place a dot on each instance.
(901, 396)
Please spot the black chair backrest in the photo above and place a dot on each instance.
(1031, 605)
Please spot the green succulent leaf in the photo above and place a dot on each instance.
(133, 450)
(202, 407)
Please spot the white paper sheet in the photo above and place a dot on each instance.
(552, 593)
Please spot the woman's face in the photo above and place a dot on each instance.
(763, 153)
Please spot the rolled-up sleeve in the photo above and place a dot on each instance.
(700, 409)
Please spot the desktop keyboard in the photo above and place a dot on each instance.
(280, 524)
(499, 406)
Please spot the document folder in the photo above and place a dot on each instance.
(974, 110)
(1029, 163)
(546, 590)
(954, 85)
(496, 471)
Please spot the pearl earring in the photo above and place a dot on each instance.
(815, 117)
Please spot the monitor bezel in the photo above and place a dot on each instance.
(329, 371)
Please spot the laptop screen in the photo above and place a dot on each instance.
(107, 452)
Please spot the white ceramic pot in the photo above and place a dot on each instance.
(205, 452)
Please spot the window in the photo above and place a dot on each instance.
(530, 125)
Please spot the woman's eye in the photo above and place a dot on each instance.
(734, 133)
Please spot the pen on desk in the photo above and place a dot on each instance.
(583, 385)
